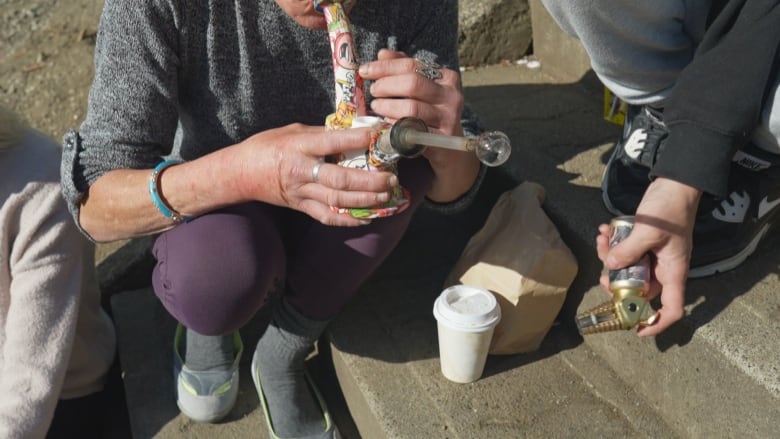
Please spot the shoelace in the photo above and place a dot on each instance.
(655, 133)
(729, 203)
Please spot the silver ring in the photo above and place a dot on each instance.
(315, 172)
(429, 70)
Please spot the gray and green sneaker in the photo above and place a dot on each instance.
(205, 396)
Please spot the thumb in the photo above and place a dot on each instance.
(626, 253)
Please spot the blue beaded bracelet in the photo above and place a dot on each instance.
(154, 180)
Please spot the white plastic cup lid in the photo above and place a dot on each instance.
(467, 308)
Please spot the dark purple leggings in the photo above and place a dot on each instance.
(215, 272)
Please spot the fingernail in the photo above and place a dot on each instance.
(381, 198)
(393, 181)
(363, 70)
(365, 222)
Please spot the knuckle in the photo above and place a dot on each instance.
(339, 180)
(320, 215)
(450, 77)
(412, 109)
(419, 82)
(332, 199)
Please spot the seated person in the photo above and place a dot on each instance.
(205, 126)
(697, 163)
(56, 342)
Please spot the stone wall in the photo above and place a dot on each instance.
(493, 30)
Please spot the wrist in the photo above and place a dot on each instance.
(463, 201)
(677, 200)
(453, 179)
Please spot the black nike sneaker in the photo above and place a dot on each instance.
(729, 229)
(625, 177)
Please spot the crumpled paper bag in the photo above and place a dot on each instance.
(520, 257)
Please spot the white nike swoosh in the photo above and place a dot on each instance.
(765, 206)
(635, 144)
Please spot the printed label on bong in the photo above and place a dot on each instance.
(351, 105)
(350, 97)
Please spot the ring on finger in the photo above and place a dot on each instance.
(315, 172)
(427, 69)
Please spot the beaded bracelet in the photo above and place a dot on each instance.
(154, 181)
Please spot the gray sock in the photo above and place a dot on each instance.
(281, 353)
(209, 352)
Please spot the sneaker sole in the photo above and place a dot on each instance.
(730, 263)
(205, 420)
(204, 416)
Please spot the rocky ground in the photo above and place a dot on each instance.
(46, 60)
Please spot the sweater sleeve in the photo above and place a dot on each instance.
(41, 318)
(132, 112)
(718, 97)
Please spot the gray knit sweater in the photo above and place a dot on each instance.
(184, 78)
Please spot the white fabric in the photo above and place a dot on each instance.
(55, 340)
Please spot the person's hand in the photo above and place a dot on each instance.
(663, 227)
(399, 91)
(277, 166)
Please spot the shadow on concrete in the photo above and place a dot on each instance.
(710, 296)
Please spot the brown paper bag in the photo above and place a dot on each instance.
(519, 256)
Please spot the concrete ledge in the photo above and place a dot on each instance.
(713, 375)
(694, 375)
(127, 267)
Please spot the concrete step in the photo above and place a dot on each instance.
(714, 374)
(732, 319)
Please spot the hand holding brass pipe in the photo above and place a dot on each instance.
(629, 306)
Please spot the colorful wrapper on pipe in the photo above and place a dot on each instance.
(351, 105)
(350, 97)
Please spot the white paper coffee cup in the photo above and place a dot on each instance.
(466, 317)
